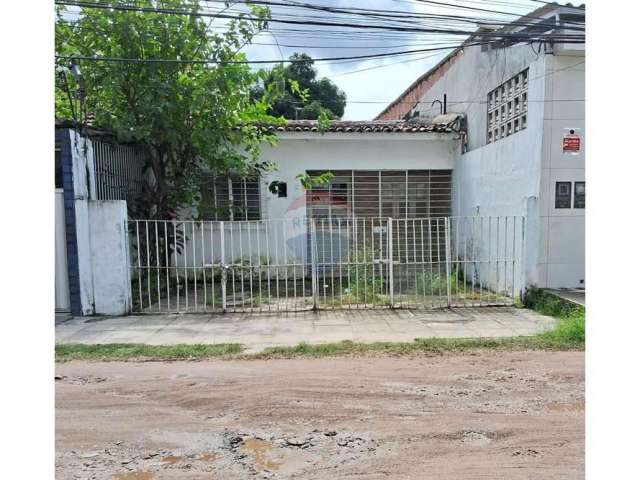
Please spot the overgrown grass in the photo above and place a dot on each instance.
(570, 330)
(136, 351)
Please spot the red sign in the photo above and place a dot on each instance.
(571, 144)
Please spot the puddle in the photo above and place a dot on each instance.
(134, 476)
(259, 450)
(173, 459)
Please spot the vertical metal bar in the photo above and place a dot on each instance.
(146, 223)
(314, 265)
(424, 279)
(139, 254)
(373, 266)
(223, 271)
(186, 271)
(241, 264)
(415, 260)
(230, 198)
(277, 264)
(166, 262)
(286, 264)
(349, 228)
(340, 262)
(158, 265)
(175, 252)
(354, 259)
(194, 267)
(447, 247)
(430, 259)
(296, 263)
(204, 270)
(379, 194)
(246, 207)
(506, 255)
(213, 271)
(390, 261)
(268, 231)
(439, 261)
(215, 198)
(253, 301)
(259, 263)
(231, 270)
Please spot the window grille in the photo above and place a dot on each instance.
(579, 195)
(507, 107)
(563, 194)
(229, 198)
(381, 193)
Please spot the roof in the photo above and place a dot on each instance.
(442, 124)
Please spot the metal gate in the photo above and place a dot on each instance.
(296, 264)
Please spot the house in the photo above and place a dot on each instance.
(525, 137)
(464, 191)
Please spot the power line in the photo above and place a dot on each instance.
(127, 8)
(251, 62)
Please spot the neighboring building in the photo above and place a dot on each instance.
(525, 144)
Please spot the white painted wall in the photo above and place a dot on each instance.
(103, 257)
(83, 168)
(516, 175)
(109, 257)
(562, 243)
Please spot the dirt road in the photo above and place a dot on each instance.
(491, 415)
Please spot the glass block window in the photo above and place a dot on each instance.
(507, 107)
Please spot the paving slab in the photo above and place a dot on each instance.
(255, 331)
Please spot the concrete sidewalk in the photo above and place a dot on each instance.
(258, 331)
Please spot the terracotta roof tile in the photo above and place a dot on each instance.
(442, 124)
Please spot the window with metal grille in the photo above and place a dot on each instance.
(507, 107)
(229, 198)
(563, 194)
(381, 193)
(578, 194)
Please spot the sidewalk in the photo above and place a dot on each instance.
(258, 331)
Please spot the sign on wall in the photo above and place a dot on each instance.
(571, 142)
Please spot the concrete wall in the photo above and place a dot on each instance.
(474, 74)
(562, 240)
(109, 257)
(516, 175)
(99, 238)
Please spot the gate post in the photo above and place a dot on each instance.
(390, 260)
(223, 270)
(314, 264)
(447, 256)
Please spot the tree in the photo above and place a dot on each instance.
(304, 96)
(186, 115)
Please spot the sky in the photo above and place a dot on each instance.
(381, 80)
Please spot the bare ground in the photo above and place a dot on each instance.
(512, 415)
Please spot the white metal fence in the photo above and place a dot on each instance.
(302, 263)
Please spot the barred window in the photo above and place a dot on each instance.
(507, 107)
(229, 198)
(381, 193)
